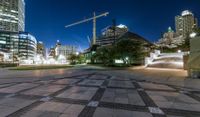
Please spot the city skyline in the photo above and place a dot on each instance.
(47, 21)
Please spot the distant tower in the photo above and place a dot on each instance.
(12, 15)
(185, 23)
(58, 43)
(170, 29)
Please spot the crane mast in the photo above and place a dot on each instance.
(94, 29)
(94, 18)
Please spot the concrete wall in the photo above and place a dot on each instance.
(194, 58)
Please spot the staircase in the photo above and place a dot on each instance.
(167, 60)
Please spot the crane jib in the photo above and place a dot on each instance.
(86, 20)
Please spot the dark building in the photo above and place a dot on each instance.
(109, 37)
(112, 35)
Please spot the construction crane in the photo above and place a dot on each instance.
(94, 18)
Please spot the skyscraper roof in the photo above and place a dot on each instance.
(186, 12)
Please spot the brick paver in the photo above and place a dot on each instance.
(97, 95)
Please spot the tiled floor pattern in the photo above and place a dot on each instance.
(97, 95)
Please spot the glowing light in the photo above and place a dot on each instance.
(77, 53)
(61, 59)
(119, 61)
(192, 35)
(122, 26)
(186, 12)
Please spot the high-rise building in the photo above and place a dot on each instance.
(110, 34)
(41, 49)
(12, 15)
(65, 50)
(20, 46)
(170, 39)
(185, 23)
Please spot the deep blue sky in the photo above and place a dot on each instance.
(45, 19)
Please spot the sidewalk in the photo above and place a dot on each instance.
(176, 77)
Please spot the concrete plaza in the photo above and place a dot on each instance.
(89, 91)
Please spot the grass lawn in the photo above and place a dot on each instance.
(41, 67)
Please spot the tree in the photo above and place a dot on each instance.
(197, 30)
(72, 58)
(80, 58)
(129, 51)
(105, 55)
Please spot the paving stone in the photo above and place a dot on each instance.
(119, 78)
(103, 87)
(140, 89)
(10, 105)
(92, 82)
(52, 107)
(73, 110)
(5, 85)
(173, 116)
(17, 102)
(174, 100)
(55, 109)
(198, 95)
(45, 90)
(45, 81)
(82, 77)
(124, 96)
(46, 99)
(103, 77)
(93, 104)
(105, 112)
(37, 113)
(6, 110)
(120, 100)
(10, 95)
(67, 81)
(121, 84)
(184, 92)
(155, 110)
(17, 88)
(155, 86)
(82, 93)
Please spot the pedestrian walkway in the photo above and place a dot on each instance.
(97, 95)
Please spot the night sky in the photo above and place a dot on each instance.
(45, 19)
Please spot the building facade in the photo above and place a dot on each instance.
(109, 38)
(185, 23)
(65, 50)
(170, 39)
(21, 46)
(12, 15)
(41, 49)
(110, 34)
(27, 46)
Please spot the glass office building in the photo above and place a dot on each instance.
(12, 15)
(27, 46)
(22, 45)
